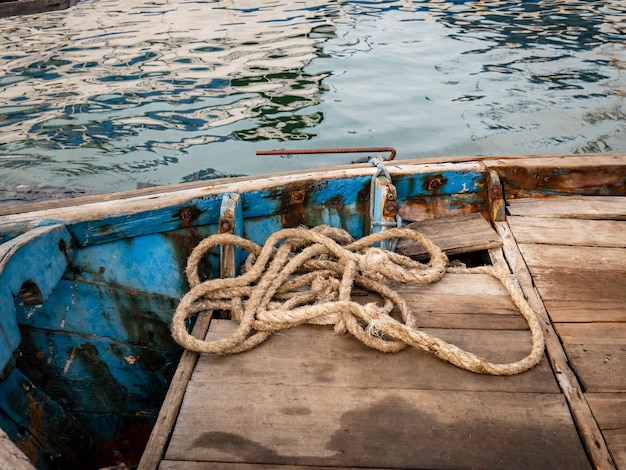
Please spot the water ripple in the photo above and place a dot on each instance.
(107, 94)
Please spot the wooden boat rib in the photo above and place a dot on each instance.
(89, 287)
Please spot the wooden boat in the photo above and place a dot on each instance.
(89, 287)
(31, 7)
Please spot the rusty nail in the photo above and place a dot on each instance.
(434, 184)
(496, 191)
(297, 197)
(226, 225)
(185, 214)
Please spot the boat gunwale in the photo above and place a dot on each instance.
(187, 191)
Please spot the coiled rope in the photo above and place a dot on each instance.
(309, 278)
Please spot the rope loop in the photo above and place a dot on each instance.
(308, 275)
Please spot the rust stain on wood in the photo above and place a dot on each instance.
(522, 181)
(293, 210)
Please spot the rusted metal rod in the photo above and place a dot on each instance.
(392, 151)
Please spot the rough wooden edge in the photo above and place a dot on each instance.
(162, 431)
(11, 456)
(31, 7)
(587, 426)
(492, 162)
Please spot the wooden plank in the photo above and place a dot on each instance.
(589, 260)
(415, 209)
(155, 448)
(104, 310)
(326, 192)
(575, 207)
(588, 429)
(198, 189)
(460, 234)
(609, 409)
(592, 174)
(349, 426)
(344, 361)
(187, 465)
(505, 165)
(575, 232)
(616, 439)
(99, 375)
(11, 456)
(585, 311)
(579, 286)
(230, 222)
(597, 351)
(495, 195)
(42, 427)
(383, 206)
(473, 301)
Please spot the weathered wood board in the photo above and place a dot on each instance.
(574, 207)
(590, 174)
(575, 232)
(309, 397)
(453, 235)
(11, 457)
(464, 301)
(579, 269)
(609, 410)
(598, 352)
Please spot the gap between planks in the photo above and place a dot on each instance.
(588, 427)
(309, 397)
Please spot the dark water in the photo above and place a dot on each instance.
(110, 94)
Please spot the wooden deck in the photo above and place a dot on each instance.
(308, 398)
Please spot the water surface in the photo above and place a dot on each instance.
(108, 94)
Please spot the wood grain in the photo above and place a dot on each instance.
(453, 235)
(308, 397)
(574, 207)
(597, 351)
(573, 232)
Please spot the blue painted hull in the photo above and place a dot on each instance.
(88, 289)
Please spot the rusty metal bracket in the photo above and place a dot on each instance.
(383, 202)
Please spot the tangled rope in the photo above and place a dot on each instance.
(309, 278)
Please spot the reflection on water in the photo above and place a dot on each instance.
(110, 94)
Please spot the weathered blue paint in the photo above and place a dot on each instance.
(50, 436)
(100, 346)
(439, 183)
(206, 211)
(149, 263)
(96, 375)
(104, 311)
(39, 258)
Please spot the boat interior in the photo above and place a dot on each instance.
(113, 379)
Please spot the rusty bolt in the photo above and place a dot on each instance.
(186, 214)
(496, 191)
(435, 183)
(297, 197)
(225, 225)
